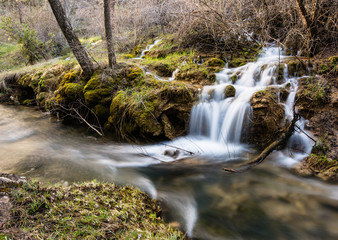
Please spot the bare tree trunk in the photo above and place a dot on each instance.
(309, 21)
(73, 41)
(20, 10)
(108, 30)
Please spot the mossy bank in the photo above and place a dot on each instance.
(124, 102)
(89, 210)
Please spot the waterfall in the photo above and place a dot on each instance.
(222, 119)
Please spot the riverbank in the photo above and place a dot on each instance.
(138, 101)
(91, 210)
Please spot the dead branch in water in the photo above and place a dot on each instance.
(273, 146)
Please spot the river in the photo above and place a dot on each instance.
(268, 202)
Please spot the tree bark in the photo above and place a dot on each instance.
(73, 41)
(108, 30)
(310, 21)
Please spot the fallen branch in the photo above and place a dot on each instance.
(89, 125)
(261, 157)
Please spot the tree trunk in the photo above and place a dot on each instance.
(309, 21)
(109, 33)
(73, 41)
(20, 11)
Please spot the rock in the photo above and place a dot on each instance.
(229, 91)
(215, 62)
(267, 120)
(172, 153)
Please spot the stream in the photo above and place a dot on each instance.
(267, 202)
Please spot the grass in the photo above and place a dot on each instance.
(88, 211)
(10, 56)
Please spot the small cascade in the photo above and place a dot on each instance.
(143, 53)
(224, 110)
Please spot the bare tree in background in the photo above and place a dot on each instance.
(108, 6)
(73, 41)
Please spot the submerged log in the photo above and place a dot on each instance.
(273, 146)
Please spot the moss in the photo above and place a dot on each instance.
(70, 76)
(237, 62)
(163, 69)
(215, 62)
(137, 111)
(87, 211)
(101, 111)
(93, 97)
(229, 91)
(334, 60)
(320, 162)
(296, 69)
(29, 102)
(96, 82)
(280, 74)
(134, 73)
(73, 91)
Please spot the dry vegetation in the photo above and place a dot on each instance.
(206, 25)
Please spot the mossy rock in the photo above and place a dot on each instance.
(163, 69)
(71, 76)
(237, 62)
(138, 113)
(93, 97)
(102, 112)
(313, 92)
(73, 91)
(296, 69)
(96, 81)
(229, 91)
(268, 117)
(134, 73)
(211, 93)
(215, 62)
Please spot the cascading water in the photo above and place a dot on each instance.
(221, 119)
(143, 53)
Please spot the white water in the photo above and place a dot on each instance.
(143, 53)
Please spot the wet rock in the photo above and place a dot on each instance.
(229, 91)
(267, 120)
(162, 69)
(172, 153)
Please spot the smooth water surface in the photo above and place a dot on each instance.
(268, 202)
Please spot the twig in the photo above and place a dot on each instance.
(146, 155)
(305, 133)
(87, 122)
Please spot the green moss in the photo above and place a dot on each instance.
(215, 62)
(94, 82)
(134, 73)
(93, 97)
(320, 162)
(73, 91)
(237, 62)
(101, 111)
(88, 211)
(28, 102)
(334, 60)
(229, 91)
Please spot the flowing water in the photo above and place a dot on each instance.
(268, 202)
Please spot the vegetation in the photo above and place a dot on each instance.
(87, 211)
